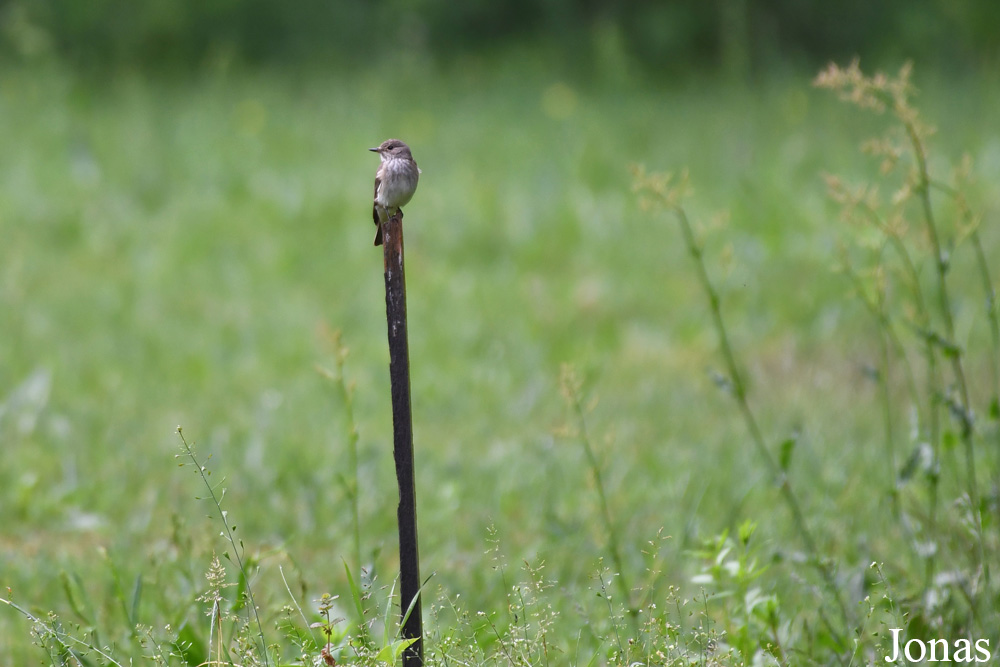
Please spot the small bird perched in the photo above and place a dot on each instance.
(395, 182)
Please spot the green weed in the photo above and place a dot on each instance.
(171, 249)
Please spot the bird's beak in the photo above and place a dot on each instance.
(373, 150)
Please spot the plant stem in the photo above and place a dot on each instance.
(777, 475)
(609, 524)
(66, 641)
(931, 418)
(877, 307)
(941, 265)
(991, 314)
(352, 454)
(237, 547)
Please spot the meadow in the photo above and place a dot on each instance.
(196, 252)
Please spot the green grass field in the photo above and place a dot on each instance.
(176, 252)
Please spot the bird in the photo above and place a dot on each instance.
(395, 182)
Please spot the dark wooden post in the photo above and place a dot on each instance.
(402, 432)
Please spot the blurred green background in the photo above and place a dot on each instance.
(735, 35)
(185, 213)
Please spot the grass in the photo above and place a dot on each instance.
(174, 253)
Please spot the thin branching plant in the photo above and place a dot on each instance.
(236, 554)
(572, 388)
(912, 256)
(665, 193)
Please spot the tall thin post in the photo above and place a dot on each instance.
(402, 437)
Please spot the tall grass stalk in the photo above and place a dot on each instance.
(572, 391)
(876, 305)
(351, 483)
(927, 404)
(253, 617)
(70, 649)
(658, 190)
(991, 308)
(992, 316)
(881, 93)
(963, 410)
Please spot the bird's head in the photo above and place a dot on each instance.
(392, 148)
